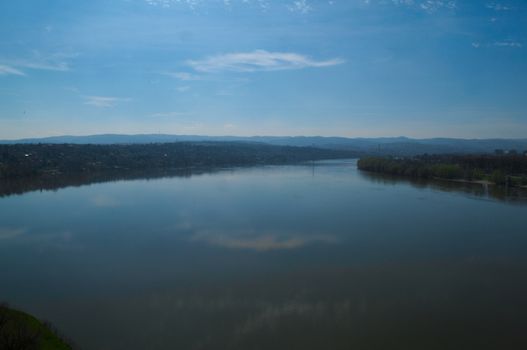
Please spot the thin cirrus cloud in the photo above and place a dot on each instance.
(507, 44)
(429, 6)
(498, 6)
(37, 61)
(184, 76)
(497, 44)
(170, 114)
(8, 70)
(301, 6)
(104, 101)
(259, 60)
(60, 66)
(170, 3)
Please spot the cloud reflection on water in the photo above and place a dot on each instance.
(260, 242)
(7, 233)
(104, 201)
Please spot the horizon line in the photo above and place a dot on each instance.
(259, 136)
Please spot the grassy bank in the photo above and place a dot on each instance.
(498, 170)
(19, 330)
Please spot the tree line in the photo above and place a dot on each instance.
(28, 167)
(48, 159)
(509, 170)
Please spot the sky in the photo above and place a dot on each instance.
(355, 68)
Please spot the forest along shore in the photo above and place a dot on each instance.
(28, 167)
(499, 170)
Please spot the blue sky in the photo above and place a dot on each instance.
(419, 68)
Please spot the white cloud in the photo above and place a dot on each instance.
(504, 44)
(169, 3)
(429, 6)
(170, 114)
(301, 6)
(8, 70)
(104, 101)
(183, 88)
(259, 60)
(434, 5)
(184, 76)
(514, 44)
(497, 6)
(37, 61)
(57, 61)
(43, 65)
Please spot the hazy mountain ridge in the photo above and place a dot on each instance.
(381, 145)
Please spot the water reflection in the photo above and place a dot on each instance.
(439, 305)
(8, 232)
(268, 258)
(260, 241)
(53, 183)
(512, 195)
(22, 185)
(104, 201)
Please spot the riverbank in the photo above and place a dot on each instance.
(19, 330)
(503, 171)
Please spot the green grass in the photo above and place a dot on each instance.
(19, 330)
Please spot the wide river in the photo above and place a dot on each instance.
(313, 256)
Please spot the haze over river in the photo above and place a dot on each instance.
(312, 256)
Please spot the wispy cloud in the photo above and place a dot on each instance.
(170, 114)
(498, 6)
(55, 66)
(8, 70)
(170, 3)
(37, 61)
(104, 101)
(428, 6)
(513, 44)
(259, 60)
(301, 6)
(263, 5)
(504, 44)
(434, 5)
(183, 88)
(184, 76)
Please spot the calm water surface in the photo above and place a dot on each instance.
(285, 257)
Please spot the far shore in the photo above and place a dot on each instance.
(479, 182)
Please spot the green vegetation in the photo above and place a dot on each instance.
(508, 170)
(20, 331)
(27, 167)
(49, 159)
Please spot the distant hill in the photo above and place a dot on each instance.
(382, 146)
